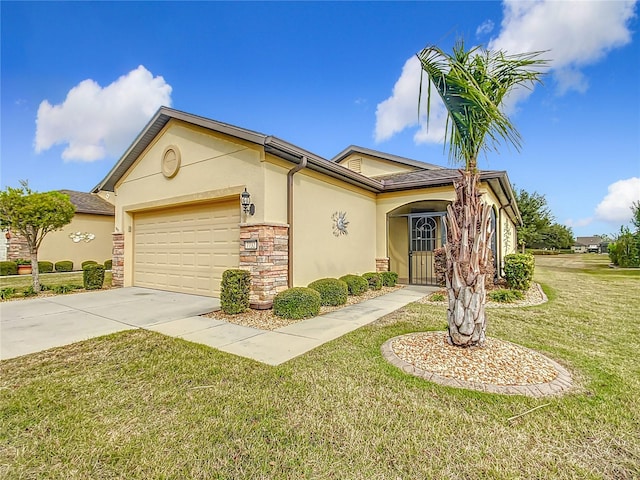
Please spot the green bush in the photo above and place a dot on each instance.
(108, 264)
(88, 262)
(332, 291)
(23, 261)
(389, 279)
(8, 268)
(543, 252)
(7, 292)
(502, 295)
(61, 289)
(438, 297)
(625, 250)
(297, 302)
(64, 266)
(234, 291)
(45, 267)
(29, 292)
(93, 276)
(518, 270)
(356, 285)
(374, 280)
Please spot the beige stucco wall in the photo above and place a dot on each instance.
(318, 252)
(373, 167)
(57, 245)
(215, 166)
(212, 167)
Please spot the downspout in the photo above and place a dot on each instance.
(292, 172)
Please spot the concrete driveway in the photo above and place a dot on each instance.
(28, 326)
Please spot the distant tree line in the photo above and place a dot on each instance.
(539, 229)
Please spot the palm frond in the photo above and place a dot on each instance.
(472, 85)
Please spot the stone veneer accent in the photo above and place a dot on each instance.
(117, 257)
(17, 247)
(382, 264)
(269, 264)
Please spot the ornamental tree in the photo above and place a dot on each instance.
(33, 215)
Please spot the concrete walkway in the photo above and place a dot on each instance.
(277, 346)
(30, 326)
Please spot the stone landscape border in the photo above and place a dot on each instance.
(558, 386)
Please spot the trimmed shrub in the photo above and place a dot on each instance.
(88, 262)
(64, 266)
(389, 279)
(8, 268)
(108, 264)
(297, 302)
(45, 267)
(332, 291)
(502, 295)
(234, 291)
(374, 280)
(93, 276)
(356, 285)
(518, 270)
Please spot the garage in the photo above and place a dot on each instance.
(186, 249)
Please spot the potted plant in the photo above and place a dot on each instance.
(24, 266)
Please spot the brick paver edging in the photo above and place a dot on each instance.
(558, 386)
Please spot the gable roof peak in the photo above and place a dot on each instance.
(355, 149)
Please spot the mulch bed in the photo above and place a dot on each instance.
(266, 320)
(498, 362)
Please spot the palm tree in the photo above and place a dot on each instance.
(472, 84)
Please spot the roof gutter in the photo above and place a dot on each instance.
(290, 174)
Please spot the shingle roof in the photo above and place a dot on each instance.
(89, 203)
(586, 241)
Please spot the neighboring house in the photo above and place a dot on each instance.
(180, 222)
(87, 237)
(593, 244)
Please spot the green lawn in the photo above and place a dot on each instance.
(21, 282)
(141, 405)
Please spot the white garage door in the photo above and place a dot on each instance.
(186, 249)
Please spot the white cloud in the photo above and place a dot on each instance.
(400, 110)
(582, 222)
(94, 122)
(485, 27)
(577, 33)
(616, 205)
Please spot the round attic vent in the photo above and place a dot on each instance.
(170, 161)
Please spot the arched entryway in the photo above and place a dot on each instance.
(415, 230)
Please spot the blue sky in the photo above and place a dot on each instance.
(79, 80)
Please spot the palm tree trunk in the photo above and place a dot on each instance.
(468, 250)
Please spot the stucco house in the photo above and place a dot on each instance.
(194, 197)
(87, 237)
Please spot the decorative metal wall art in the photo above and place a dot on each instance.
(80, 236)
(340, 223)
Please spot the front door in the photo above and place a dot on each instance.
(423, 240)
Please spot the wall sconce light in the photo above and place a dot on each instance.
(245, 201)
